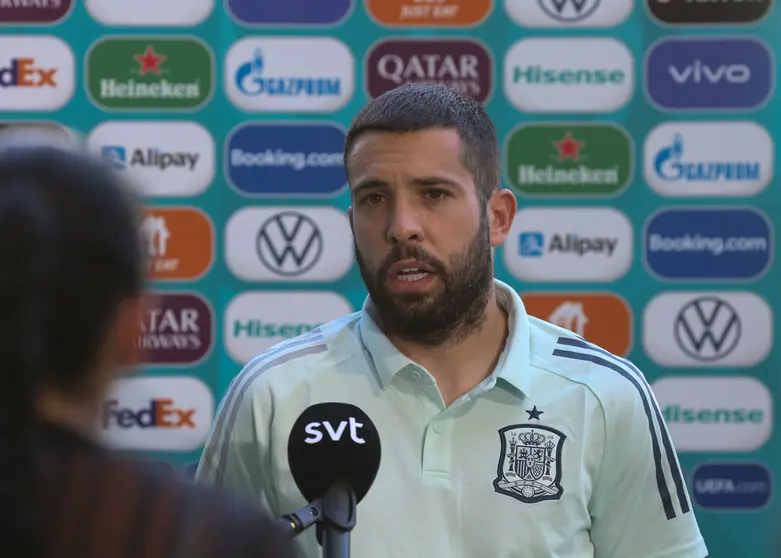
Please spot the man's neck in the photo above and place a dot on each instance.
(459, 366)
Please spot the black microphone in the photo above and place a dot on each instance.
(334, 455)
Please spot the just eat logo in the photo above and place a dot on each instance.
(24, 72)
(159, 413)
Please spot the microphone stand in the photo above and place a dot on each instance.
(334, 516)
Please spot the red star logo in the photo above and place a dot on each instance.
(569, 147)
(149, 61)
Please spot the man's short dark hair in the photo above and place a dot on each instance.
(422, 106)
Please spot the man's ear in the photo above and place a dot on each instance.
(502, 207)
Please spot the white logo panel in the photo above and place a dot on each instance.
(720, 414)
(285, 74)
(707, 329)
(22, 133)
(569, 244)
(586, 75)
(150, 13)
(288, 244)
(37, 73)
(568, 13)
(157, 414)
(256, 321)
(684, 159)
(162, 159)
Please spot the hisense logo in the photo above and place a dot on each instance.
(585, 75)
(568, 76)
(705, 415)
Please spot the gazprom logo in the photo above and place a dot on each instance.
(285, 74)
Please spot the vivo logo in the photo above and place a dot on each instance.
(725, 74)
(699, 72)
(316, 435)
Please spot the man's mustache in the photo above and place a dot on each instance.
(408, 252)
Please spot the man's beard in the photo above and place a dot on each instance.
(452, 310)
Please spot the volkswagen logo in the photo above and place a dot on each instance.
(569, 10)
(707, 329)
(289, 243)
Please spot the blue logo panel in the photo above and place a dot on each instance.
(289, 12)
(732, 486)
(286, 159)
(716, 244)
(727, 74)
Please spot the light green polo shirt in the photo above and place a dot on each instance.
(561, 453)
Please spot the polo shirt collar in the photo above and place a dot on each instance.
(513, 367)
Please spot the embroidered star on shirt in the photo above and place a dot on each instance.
(534, 413)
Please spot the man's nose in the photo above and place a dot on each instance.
(405, 225)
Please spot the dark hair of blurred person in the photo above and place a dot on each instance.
(71, 300)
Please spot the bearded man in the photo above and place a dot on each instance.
(503, 436)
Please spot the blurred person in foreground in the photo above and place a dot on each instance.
(71, 298)
(503, 436)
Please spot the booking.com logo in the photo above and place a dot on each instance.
(702, 243)
(286, 159)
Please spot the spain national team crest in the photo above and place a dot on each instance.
(530, 463)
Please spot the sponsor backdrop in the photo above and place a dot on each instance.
(638, 137)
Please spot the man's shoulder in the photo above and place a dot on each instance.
(614, 380)
(202, 517)
(289, 363)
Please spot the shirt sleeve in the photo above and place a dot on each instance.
(640, 505)
(235, 455)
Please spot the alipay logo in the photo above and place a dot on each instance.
(715, 414)
(256, 321)
(157, 414)
(707, 329)
(569, 244)
(282, 74)
(592, 75)
(532, 244)
(288, 244)
(686, 159)
(709, 74)
(708, 243)
(163, 159)
(568, 13)
(731, 486)
(294, 159)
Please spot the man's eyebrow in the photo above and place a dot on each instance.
(369, 184)
(372, 183)
(434, 181)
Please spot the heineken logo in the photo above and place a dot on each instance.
(150, 73)
(568, 159)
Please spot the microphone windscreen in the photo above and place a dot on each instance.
(333, 442)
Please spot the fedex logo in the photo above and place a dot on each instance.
(23, 72)
(37, 73)
(164, 413)
(160, 413)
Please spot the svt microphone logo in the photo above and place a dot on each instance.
(709, 74)
(314, 429)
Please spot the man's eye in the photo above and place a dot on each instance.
(435, 194)
(373, 199)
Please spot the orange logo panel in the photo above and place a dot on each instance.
(602, 319)
(179, 243)
(431, 13)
